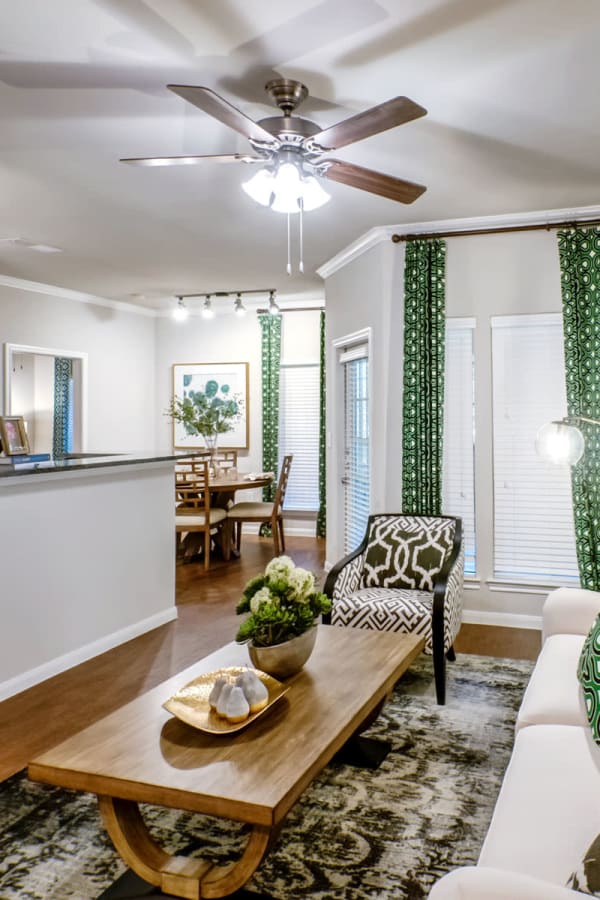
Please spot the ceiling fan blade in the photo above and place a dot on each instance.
(221, 109)
(379, 118)
(191, 160)
(374, 182)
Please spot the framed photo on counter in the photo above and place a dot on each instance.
(13, 435)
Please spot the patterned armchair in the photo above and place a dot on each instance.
(406, 575)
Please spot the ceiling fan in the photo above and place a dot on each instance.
(291, 149)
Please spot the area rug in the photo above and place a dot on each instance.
(355, 834)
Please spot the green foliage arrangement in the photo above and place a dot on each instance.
(283, 603)
(209, 412)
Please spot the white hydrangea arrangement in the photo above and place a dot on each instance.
(282, 604)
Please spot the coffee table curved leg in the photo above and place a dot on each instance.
(180, 876)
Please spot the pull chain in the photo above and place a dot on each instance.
(301, 263)
(289, 246)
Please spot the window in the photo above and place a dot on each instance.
(299, 434)
(533, 521)
(356, 475)
(458, 480)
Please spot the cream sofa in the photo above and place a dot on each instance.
(548, 811)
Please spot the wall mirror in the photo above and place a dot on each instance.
(48, 387)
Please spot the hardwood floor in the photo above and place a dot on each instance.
(48, 713)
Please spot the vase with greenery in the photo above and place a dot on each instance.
(283, 605)
(209, 412)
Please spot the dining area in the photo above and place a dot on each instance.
(209, 517)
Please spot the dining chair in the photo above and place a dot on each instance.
(193, 512)
(265, 513)
(227, 459)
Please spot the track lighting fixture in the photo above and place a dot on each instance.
(181, 312)
(273, 308)
(207, 310)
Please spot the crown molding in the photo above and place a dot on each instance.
(51, 290)
(384, 232)
(365, 242)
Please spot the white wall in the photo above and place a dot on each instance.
(226, 338)
(43, 403)
(230, 338)
(488, 275)
(494, 275)
(87, 563)
(120, 345)
(365, 294)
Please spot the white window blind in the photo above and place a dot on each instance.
(356, 445)
(533, 520)
(458, 478)
(299, 434)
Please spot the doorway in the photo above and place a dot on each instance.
(356, 465)
(47, 387)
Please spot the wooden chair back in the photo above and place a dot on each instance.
(284, 475)
(192, 489)
(227, 459)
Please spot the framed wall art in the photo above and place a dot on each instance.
(13, 435)
(224, 381)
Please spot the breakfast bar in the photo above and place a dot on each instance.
(86, 559)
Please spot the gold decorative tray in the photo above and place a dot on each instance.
(190, 703)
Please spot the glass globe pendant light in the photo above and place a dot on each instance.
(560, 442)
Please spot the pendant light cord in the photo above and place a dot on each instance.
(301, 262)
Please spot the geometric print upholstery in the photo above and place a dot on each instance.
(404, 577)
(453, 600)
(387, 609)
(349, 579)
(407, 551)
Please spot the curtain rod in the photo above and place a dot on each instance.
(397, 238)
(294, 309)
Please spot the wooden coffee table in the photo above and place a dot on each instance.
(141, 754)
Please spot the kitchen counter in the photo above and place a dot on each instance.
(87, 554)
(87, 461)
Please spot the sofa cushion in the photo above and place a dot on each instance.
(588, 673)
(407, 551)
(553, 695)
(587, 876)
(547, 809)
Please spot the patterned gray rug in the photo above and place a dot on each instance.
(356, 834)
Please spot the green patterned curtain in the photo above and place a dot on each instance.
(270, 356)
(579, 251)
(423, 403)
(62, 430)
(322, 514)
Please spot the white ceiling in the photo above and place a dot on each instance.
(513, 125)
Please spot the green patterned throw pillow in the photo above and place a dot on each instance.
(586, 879)
(588, 673)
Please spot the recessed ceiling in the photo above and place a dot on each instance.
(510, 87)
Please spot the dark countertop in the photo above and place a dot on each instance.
(78, 461)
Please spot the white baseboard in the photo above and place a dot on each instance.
(504, 620)
(74, 657)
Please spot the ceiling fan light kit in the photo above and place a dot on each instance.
(286, 189)
(290, 149)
